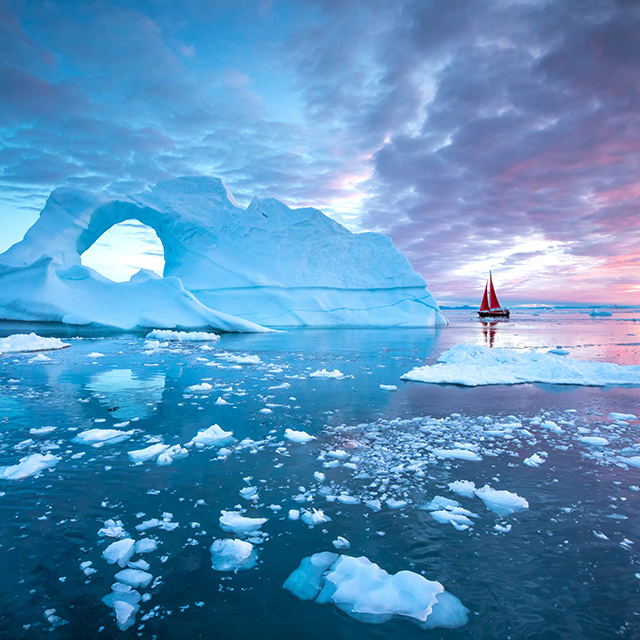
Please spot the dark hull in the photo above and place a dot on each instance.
(496, 313)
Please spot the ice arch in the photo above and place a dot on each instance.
(124, 249)
(225, 267)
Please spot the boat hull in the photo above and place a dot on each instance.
(495, 313)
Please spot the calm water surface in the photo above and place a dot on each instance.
(567, 568)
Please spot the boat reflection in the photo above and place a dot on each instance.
(489, 330)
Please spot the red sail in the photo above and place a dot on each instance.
(485, 301)
(493, 298)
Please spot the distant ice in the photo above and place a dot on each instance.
(182, 336)
(21, 342)
(323, 373)
(368, 593)
(472, 365)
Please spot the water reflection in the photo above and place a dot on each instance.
(489, 330)
(134, 396)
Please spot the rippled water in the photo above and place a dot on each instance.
(568, 568)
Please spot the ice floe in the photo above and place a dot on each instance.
(213, 436)
(23, 342)
(502, 502)
(237, 523)
(367, 592)
(99, 437)
(28, 466)
(336, 374)
(473, 365)
(302, 437)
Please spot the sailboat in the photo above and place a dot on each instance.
(490, 307)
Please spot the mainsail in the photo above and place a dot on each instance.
(493, 298)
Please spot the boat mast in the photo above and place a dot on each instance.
(493, 298)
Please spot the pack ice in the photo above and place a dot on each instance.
(226, 267)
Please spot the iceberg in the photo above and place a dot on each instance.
(226, 267)
(472, 365)
(21, 343)
(368, 593)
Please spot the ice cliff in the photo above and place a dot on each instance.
(226, 267)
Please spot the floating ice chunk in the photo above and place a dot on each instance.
(314, 516)
(366, 592)
(204, 387)
(235, 359)
(236, 522)
(599, 313)
(40, 358)
(459, 521)
(139, 564)
(502, 528)
(98, 437)
(559, 351)
(249, 493)
(221, 402)
(457, 454)
(284, 385)
(551, 425)
(120, 552)
(145, 545)
(463, 488)
(503, 503)
(345, 498)
(22, 342)
(232, 555)
(374, 504)
(633, 461)
(319, 476)
(41, 431)
(395, 504)
(473, 365)
(112, 529)
(183, 336)
(148, 453)
(323, 373)
(134, 578)
(388, 387)
(176, 452)
(341, 543)
(298, 436)
(594, 441)
(29, 466)
(627, 417)
(294, 514)
(214, 436)
(536, 459)
(95, 354)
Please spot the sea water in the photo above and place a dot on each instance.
(383, 462)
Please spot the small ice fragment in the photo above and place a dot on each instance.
(134, 578)
(119, 551)
(204, 387)
(301, 437)
(503, 503)
(145, 545)
(456, 454)
(28, 466)
(319, 476)
(536, 459)
(294, 514)
(315, 516)
(594, 441)
(214, 436)
(153, 451)
(236, 522)
(232, 555)
(388, 387)
(463, 488)
(323, 373)
(341, 543)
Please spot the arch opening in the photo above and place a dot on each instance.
(124, 249)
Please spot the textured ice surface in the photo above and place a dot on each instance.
(225, 267)
(182, 336)
(301, 437)
(213, 436)
(97, 437)
(473, 365)
(119, 552)
(503, 503)
(20, 342)
(232, 555)
(367, 592)
(236, 522)
(29, 466)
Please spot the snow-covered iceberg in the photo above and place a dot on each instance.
(472, 365)
(226, 267)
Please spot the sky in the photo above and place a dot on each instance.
(477, 134)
